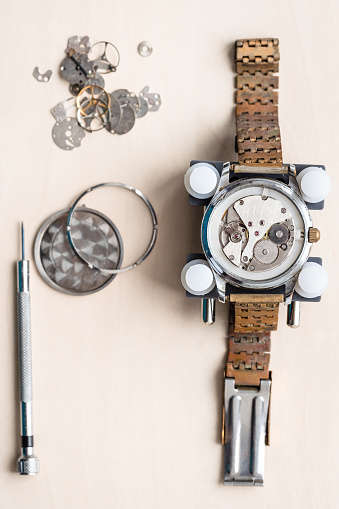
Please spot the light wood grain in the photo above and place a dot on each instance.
(128, 382)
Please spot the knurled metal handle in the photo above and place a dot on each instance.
(24, 344)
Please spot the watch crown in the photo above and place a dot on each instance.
(313, 235)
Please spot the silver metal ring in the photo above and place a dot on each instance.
(153, 217)
(145, 49)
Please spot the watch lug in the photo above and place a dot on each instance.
(289, 288)
(224, 177)
(221, 286)
(293, 180)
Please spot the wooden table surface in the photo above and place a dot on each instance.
(128, 382)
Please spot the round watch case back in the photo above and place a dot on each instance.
(60, 266)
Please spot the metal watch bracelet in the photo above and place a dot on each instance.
(252, 317)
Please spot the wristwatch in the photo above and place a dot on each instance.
(256, 238)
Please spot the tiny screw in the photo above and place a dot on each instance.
(235, 236)
(283, 210)
(245, 259)
(283, 247)
(231, 257)
(251, 267)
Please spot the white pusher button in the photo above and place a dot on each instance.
(201, 180)
(312, 280)
(314, 184)
(197, 277)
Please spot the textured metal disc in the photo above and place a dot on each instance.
(124, 96)
(64, 109)
(67, 134)
(116, 112)
(58, 264)
(97, 81)
(127, 120)
(71, 72)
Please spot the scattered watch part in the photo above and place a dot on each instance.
(67, 134)
(92, 95)
(127, 120)
(97, 81)
(75, 88)
(126, 97)
(43, 78)
(61, 268)
(115, 114)
(64, 109)
(78, 44)
(144, 92)
(93, 105)
(77, 69)
(145, 48)
(143, 110)
(82, 72)
(105, 56)
(197, 277)
(154, 100)
(93, 117)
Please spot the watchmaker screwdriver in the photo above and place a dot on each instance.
(27, 463)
